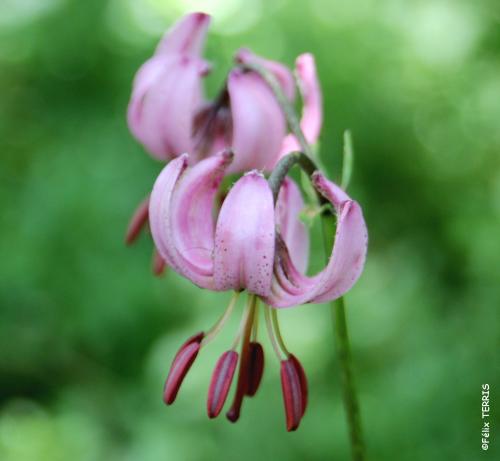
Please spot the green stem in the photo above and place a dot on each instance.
(328, 223)
(283, 167)
(341, 334)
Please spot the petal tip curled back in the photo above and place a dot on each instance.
(186, 36)
(329, 189)
(279, 70)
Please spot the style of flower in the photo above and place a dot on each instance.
(169, 115)
(252, 244)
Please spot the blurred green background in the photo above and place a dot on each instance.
(87, 334)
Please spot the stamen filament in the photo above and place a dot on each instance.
(276, 325)
(215, 330)
(243, 323)
(270, 331)
(255, 329)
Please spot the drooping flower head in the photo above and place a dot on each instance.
(250, 243)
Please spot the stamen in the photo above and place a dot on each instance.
(303, 381)
(215, 330)
(220, 384)
(180, 366)
(292, 395)
(271, 333)
(243, 324)
(137, 221)
(255, 368)
(255, 328)
(234, 413)
(274, 316)
(158, 264)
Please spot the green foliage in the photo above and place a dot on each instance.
(87, 334)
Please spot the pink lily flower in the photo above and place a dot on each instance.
(168, 114)
(251, 244)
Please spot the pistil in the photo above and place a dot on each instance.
(234, 412)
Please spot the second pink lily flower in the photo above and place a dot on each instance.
(169, 115)
(253, 244)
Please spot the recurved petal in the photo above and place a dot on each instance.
(291, 287)
(288, 208)
(257, 120)
(245, 237)
(312, 109)
(181, 215)
(280, 71)
(167, 93)
(186, 36)
(159, 209)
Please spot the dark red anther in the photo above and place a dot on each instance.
(303, 381)
(137, 221)
(158, 264)
(255, 368)
(292, 394)
(180, 366)
(222, 378)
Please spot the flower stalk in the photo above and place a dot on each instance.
(305, 160)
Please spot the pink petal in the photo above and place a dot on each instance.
(167, 93)
(159, 209)
(244, 237)
(186, 36)
(288, 208)
(291, 287)
(312, 110)
(280, 71)
(258, 122)
(181, 218)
